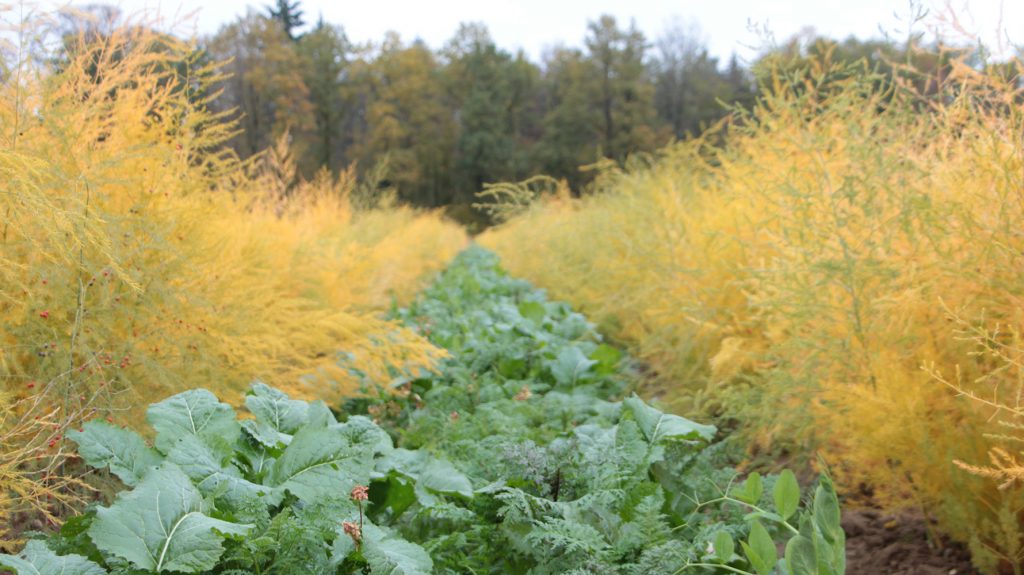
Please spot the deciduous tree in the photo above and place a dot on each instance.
(266, 83)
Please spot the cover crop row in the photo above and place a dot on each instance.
(509, 459)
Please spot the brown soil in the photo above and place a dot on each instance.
(898, 544)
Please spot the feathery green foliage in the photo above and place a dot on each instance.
(566, 478)
(138, 255)
(808, 267)
(510, 459)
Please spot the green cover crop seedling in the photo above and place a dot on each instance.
(516, 456)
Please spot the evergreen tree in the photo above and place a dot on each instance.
(405, 116)
(742, 89)
(491, 93)
(288, 14)
(572, 122)
(625, 95)
(324, 52)
(600, 103)
(439, 125)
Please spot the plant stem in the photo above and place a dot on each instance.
(754, 507)
(726, 567)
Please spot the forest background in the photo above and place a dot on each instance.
(432, 127)
(831, 245)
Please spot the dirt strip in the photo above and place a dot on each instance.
(878, 543)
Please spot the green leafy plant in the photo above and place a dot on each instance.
(523, 453)
(816, 544)
(215, 494)
(566, 479)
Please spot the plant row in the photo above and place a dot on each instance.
(510, 458)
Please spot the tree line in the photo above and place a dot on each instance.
(442, 123)
(436, 125)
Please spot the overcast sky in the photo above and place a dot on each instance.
(728, 25)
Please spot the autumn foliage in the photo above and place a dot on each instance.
(139, 257)
(855, 243)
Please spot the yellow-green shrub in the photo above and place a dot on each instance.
(793, 279)
(138, 258)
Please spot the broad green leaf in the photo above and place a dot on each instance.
(752, 489)
(800, 556)
(569, 365)
(839, 552)
(825, 553)
(18, 565)
(607, 358)
(389, 555)
(533, 311)
(276, 409)
(405, 461)
(265, 434)
(572, 327)
(255, 459)
(428, 472)
(399, 493)
(826, 511)
(787, 494)
(511, 367)
(321, 463)
(760, 549)
(724, 546)
(659, 426)
(632, 449)
(440, 476)
(104, 445)
(319, 415)
(210, 474)
(362, 431)
(597, 443)
(38, 559)
(342, 547)
(193, 412)
(161, 525)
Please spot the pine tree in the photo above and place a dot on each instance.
(491, 92)
(324, 52)
(404, 115)
(289, 15)
(572, 122)
(625, 95)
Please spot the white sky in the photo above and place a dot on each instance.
(535, 24)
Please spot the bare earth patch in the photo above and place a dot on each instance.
(879, 543)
